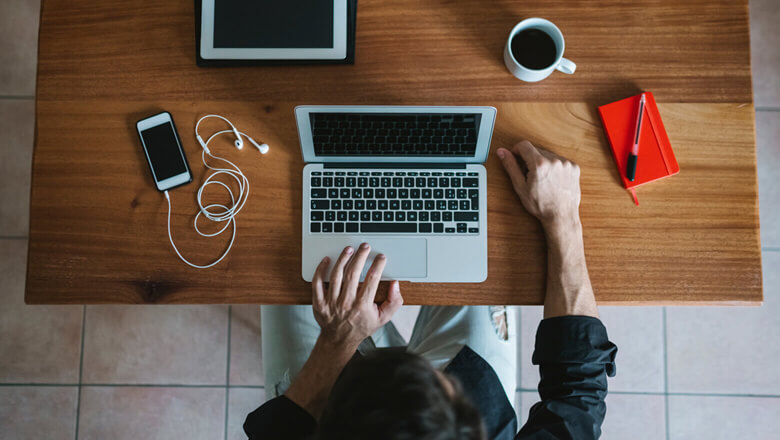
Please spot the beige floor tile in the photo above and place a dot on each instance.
(156, 345)
(765, 56)
(18, 46)
(38, 344)
(17, 124)
(151, 413)
(246, 354)
(728, 349)
(629, 416)
(242, 401)
(768, 145)
(38, 412)
(638, 333)
(723, 418)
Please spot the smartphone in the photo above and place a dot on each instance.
(163, 151)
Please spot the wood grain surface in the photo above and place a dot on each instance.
(98, 226)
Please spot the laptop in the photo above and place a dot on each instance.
(409, 180)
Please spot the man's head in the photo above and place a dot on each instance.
(391, 394)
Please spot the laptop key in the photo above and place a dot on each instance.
(379, 193)
(461, 227)
(318, 193)
(320, 204)
(338, 227)
(406, 205)
(438, 194)
(317, 216)
(427, 193)
(388, 215)
(360, 205)
(368, 193)
(411, 216)
(465, 205)
(438, 227)
(414, 193)
(353, 227)
(354, 216)
(335, 204)
(362, 181)
(455, 182)
(316, 181)
(347, 204)
(430, 205)
(470, 182)
(330, 216)
(315, 227)
(327, 181)
(357, 193)
(341, 216)
(333, 193)
(449, 194)
(338, 181)
(403, 193)
(365, 216)
(371, 204)
(376, 216)
(467, 216)
(327, 227)
(400, 216)
(344, 193)
(417, 205)
(425, 227)
(395, 205)
(423, 216)
(435, 216)
(463, 193)
(473, 230)
(449, 230)
(388, 227)
(446, 216)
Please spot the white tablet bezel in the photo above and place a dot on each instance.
(487, 122)
(337, 52)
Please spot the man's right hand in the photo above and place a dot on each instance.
(550, 189)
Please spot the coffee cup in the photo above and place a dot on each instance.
(534, 50)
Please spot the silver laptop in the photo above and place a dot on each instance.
(407, 179)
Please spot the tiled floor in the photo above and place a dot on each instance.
(195, 371)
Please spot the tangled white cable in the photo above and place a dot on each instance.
(217, 212)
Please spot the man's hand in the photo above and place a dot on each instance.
(550, 190)
(346, 312)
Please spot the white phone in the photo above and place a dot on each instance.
(163, 151)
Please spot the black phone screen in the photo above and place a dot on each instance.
(164, 151)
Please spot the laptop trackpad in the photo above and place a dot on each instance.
(406, 257)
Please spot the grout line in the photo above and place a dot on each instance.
(128, 385)
(666, 378)
(767, 109)
(227, 371)
(81, 368)
(683, 394)
(17, 97)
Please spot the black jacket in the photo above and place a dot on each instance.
(574, 357)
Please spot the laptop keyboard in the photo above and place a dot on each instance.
(435, 202)
(397, 134)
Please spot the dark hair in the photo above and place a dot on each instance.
(392, 394)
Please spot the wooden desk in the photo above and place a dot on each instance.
(98, 226)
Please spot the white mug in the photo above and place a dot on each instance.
(532, 75)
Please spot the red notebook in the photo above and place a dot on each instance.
(656, 158)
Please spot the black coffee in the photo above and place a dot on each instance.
(534, 49)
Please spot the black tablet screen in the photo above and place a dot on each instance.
(273, 24)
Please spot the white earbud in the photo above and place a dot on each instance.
(262, 147)
(239, 143)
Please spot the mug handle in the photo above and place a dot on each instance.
(566, 66)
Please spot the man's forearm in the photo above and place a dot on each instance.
(569, 291)
(312, 385)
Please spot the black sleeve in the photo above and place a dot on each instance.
(574, 357)
(279, 418)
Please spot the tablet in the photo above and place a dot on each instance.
(273, 30)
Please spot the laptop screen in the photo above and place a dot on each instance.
(395, 134)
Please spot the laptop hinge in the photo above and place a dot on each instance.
(452, 166)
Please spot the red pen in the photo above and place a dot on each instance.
(634, 155)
